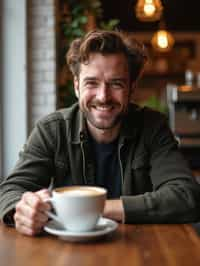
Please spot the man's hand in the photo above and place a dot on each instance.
(30, 216)
(114, 210)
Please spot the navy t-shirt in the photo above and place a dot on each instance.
(107, 168)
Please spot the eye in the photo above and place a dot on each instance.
(91, 84)
(117, 85)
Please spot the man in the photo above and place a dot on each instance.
(103, 140)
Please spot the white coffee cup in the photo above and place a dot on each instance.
(78, 208)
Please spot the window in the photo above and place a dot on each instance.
(13, 98)
(1, 109)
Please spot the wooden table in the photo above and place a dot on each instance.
(138, 245)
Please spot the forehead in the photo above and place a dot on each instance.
(99, 64)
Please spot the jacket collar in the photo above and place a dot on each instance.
(131, 123)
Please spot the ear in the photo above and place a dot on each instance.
(76, 86)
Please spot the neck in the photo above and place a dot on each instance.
(104, 135)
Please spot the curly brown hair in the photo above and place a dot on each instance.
(107, 42)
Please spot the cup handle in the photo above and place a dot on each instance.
(51, 214)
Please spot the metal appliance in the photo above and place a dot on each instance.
(184, 119)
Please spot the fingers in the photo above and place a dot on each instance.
(43, 194)
(26, 230)
(30, 216)
(27, 213)
(36, 200)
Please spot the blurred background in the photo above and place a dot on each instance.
(34, 79)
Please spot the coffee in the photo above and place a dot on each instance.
(80, 191)
(78, 208)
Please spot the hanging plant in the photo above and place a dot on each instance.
(78, 18)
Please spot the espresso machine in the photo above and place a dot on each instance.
(184, 119)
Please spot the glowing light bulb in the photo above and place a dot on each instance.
(162, 40)
(149, 9)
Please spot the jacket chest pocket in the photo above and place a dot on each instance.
(141, 181)
(62, 174)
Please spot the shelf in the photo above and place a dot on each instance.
(163, 75)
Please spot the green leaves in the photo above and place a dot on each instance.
(155, 103)
(68, 94)
(110, 24)
(73, 25)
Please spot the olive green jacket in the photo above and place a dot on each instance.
(157, 185)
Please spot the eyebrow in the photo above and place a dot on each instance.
(110, 80)
(119, 79)
(89, 78)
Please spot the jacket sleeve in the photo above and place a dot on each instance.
(32, 171)
(175, 197)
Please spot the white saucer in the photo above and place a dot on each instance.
(104, 227)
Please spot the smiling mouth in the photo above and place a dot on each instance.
(103, 108)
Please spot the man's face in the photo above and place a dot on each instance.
(103, 89)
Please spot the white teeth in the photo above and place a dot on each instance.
(103, 108)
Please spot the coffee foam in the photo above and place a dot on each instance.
(80, 191)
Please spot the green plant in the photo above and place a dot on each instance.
(76, 18)
(67, 98)
(73, 25)
(155, 103)
(109, 25)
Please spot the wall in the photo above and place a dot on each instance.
(28, 84)
(41, 58)
(14, 80)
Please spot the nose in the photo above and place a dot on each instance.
(103, 92)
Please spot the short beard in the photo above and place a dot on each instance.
(103, 126)
(116, 121)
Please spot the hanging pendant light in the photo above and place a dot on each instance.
(162, 41)
(148, 10)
